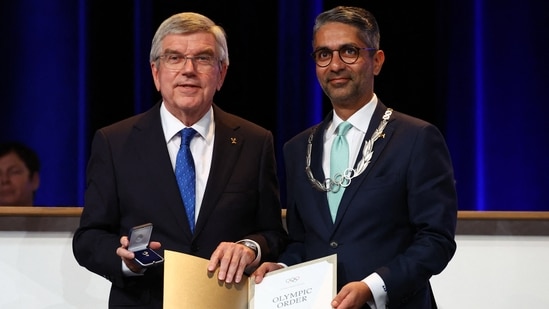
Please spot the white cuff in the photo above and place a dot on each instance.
(378, 289)
(258, 257)
(127, 272)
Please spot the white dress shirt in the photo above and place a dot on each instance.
(201, 147)
(360, 121)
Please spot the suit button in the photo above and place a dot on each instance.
(194, 248)
(333, 244)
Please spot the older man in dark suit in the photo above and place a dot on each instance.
(234, 214)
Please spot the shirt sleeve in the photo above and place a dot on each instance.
(255, 263)
(379, 291)
(127, 272)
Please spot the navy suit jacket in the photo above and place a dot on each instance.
(397, 218)
(130, 181)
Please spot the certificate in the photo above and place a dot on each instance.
(188, 284)
(303, 286)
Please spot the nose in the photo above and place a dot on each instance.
(186, 64)
(336, 62)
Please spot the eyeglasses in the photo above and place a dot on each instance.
(202, 63)
(348, 54)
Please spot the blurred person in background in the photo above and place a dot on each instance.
(19, 174)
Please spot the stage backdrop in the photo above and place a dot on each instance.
(478, 69)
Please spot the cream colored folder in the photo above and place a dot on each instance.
(188, 284)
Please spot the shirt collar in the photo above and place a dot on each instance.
(360, 119)
(172, 126)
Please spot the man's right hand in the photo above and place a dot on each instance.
(128, 256)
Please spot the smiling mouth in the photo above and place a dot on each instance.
(338, 81)
(186, 88)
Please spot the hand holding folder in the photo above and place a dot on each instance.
(188, 284)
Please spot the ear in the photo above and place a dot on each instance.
(379, 58)
(154, 70)
(222, 73)
(35, 181)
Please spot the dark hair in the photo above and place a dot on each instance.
(359, 18)
(28, 155)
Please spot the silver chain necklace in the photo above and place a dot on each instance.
(344, 179)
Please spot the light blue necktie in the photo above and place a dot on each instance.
(339, 161)
(185, 174)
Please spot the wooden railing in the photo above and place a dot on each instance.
(503, 223)
(15, 211)
(44, 219)
(469, 222)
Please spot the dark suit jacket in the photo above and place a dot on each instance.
(130, 181)
(397, 218)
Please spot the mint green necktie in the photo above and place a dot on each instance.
(339, 161)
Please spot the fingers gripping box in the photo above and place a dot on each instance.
(140, 237)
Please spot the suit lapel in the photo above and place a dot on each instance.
(318, 172)
(378, 147)
(228, 144)
(151, 150)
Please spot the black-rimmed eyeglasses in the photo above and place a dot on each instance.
(348, 54)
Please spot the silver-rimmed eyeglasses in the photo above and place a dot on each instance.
(203, 63)
(347, 53)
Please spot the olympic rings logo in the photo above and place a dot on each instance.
(292, 279)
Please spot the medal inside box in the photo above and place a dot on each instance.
(139, 244)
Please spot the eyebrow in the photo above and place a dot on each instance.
(338, 47)
(207, 51)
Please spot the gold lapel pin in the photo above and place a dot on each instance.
(233, 140)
